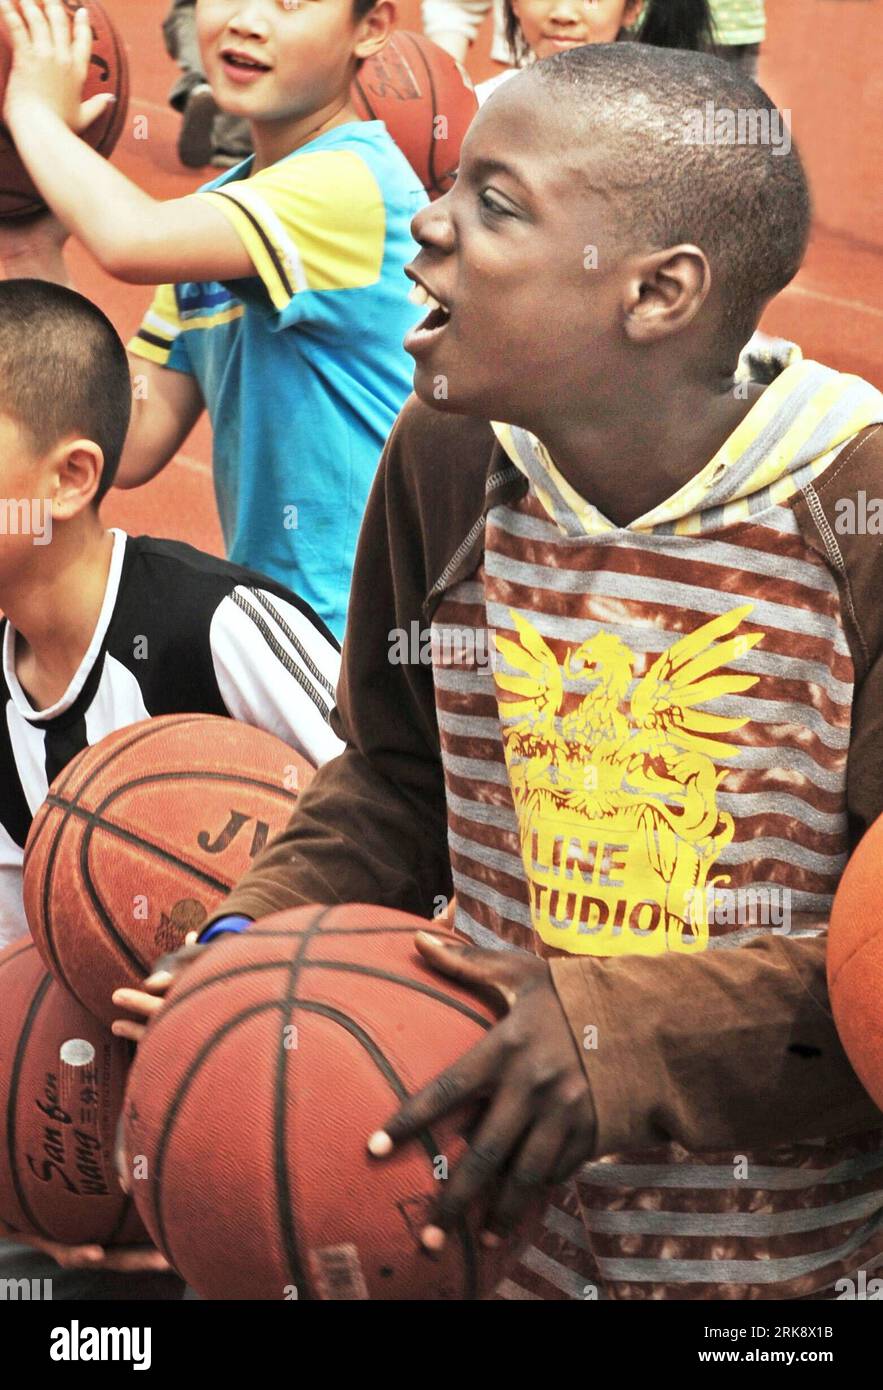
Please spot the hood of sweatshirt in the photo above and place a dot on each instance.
(792, 433)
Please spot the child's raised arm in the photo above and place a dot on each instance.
(133, 236)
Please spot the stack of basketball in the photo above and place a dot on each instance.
(139, 838)
(279, 1051)
(248, 1106)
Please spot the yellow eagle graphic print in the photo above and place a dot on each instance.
(616, 795)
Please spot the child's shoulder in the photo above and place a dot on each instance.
(167, 575)
(343, 164)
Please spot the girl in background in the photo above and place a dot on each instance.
(539, 28)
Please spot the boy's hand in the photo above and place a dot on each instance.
(50, 62)
(539, 1125)
(149, 1001)
(130, 1259)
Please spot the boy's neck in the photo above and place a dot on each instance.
(635, 452)
(55, 608)
(273, 140)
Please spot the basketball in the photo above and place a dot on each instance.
(108, 72)
(142, 836)
(426, 100)
(62, 1077)
(252, 1098)
(855, 961)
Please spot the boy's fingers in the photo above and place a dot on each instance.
(59, 25)
(67, 1256)
(35, 20)
(137, 1002)
(125, 1028)
(91, 110)
(76, 1256)
(139, 1259)
(18, 31)
(478, 1171)
(571, 1158)
(81, 45)
(531, 1173)
(474, 966)
(466, 1079)
(131, 1259)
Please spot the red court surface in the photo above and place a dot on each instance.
(819, 63)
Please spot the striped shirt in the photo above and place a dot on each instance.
(644, 733)
(600, 722)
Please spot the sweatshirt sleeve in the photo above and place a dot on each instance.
(371, 827)
(731, 1049)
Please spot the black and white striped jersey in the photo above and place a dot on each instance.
(179, 632)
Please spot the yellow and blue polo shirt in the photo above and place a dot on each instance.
(301, 366)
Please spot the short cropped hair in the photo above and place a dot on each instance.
(744, 202)
(63, 371)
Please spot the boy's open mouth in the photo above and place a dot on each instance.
(242, 62)
(435, 321)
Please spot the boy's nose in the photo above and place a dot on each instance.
(249, 20)
(433, 227)
(567, 11)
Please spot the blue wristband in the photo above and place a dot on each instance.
(222, 926)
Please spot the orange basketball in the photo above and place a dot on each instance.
(254, 1092)
(142, 836)
(426, 100)
(61, 1090)
(855, 961)
(108, 72)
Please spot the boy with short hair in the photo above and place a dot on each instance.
(651, 728)
(101, 629)
(286, 315)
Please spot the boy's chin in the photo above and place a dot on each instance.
(434, 389)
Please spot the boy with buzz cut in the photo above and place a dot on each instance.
(101, 629)
(648, 730)
(282, 304)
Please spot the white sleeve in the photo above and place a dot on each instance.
(453, 17)
(13, 922)
(275, 670)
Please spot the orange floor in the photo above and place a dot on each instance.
(834, 308)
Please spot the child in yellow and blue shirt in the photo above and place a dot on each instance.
(309, 235)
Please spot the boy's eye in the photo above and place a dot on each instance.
(493, 205)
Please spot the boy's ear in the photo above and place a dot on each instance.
(664, 292)
(75, 470)
(374, 29)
